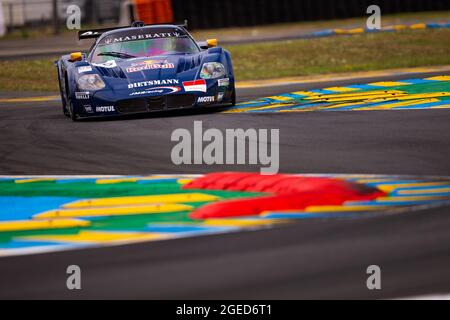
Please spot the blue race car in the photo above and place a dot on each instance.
(144, 68)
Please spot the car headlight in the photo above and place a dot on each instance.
(91, 82)
(212, 70)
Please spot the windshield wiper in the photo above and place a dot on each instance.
(176, 52)
(120, 55)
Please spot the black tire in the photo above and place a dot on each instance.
(72, 114)
(66, 113)
(68, 106)
(62, 91)
(233, 97)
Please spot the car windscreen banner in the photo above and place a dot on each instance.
(142, 34)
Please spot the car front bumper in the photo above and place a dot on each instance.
(104, 103)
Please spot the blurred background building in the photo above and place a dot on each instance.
(18, 13)
(201, 14)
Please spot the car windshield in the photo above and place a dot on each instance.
(113, 50)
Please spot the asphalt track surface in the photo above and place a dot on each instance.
(38, 139)
(310, 259)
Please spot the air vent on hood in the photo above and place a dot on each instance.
(112, 72)
(188, 63)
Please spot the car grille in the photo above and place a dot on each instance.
(132, 106)
(180, 101)
(156, 103)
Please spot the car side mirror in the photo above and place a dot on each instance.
(76, 56)
(212, 43)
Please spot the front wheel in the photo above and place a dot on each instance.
(62, 91)
(66, 113)
(233, 97)
(72, 114)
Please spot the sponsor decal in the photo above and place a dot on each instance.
(224, 82)
(105, 109)
(88, 109)
(82, 95)
(110, 40)
(152, 83)
(206, 99)
(108, 64)
(90, 33)
(150, 65)
(220, 96)
(195, 86)
(84, 69)
(157, 91)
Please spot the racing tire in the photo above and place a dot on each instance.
(63, 96)
(233, 97)
(72, 114)
(68, 105)
(66, 113)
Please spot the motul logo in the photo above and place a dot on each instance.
(105, 109)
(206, 99)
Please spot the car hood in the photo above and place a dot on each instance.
(119, 74)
